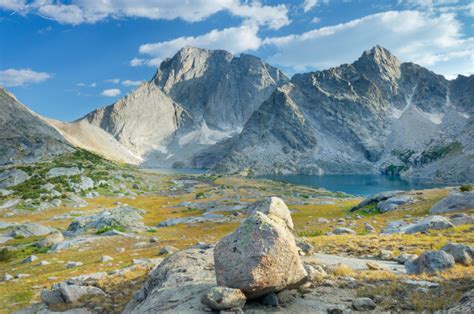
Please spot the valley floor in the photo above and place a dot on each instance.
(180, 210)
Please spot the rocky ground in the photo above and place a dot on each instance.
(116, 239)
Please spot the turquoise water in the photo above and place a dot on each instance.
(355, 184)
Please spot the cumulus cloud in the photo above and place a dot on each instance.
(309, 4)
(130, 83)
(435, 41)
(233, 39)
(90, 11)
(20, 77)
(113, 92)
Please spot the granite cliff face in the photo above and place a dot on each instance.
(375, 114)
(25, 137)
(196, 99)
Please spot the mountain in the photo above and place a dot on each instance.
(376, 114)
(196, 99)
(25, 137)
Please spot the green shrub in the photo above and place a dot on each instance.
(200, 195)
(466, 188)
(109, 228)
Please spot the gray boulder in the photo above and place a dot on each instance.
(454, 202)
(426, 224)
(369, 228)
(259, 257)
(463, 254)
(66, 293)
(375, 199)
(223, 298)
(63, 171)
(50, 240)
(363, 304)
(430, 262)
(177, 284)
(124, 216)
(393, 202)
(29, 229)
(343, 230)
(30, 259)
(85, 183)
(12, 177)
(464, 305)
(274, 208)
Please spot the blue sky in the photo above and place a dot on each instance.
(66, 58)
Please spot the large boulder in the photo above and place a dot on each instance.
(124, 216)
(393, 202)
(463, 254)
(260, 257)
(273, 207)
(67, 293)
(63, 171)
(84, 183)
(454, 202)
(50, 240)
(29, 229)
(375, 199)
(430, 262)
(426, 224)
(177, 284)
(12, 177)
(464, 305)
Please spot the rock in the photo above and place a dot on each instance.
(405, 257)
(461, 219)
(190, 220)
(85, 183)
(63, 171)
(260, 257)
(323, 220)
(29, 229)
(393, 202)
(270, 299)
(368, 227)
(76, 201)
(464, 305)
(154, 240)
(10, 204)
(454, 202)
(19, 276)
(430, 262)
(176, 284)
(375, 199)
(304, 246)
(363, 304)
(4, 192)
(374, 266)
(30, 259)
(50, 240)
(463, 254)
(315, 273)
(223, 298)
(7, 277)
(12, 177)
(274, 208)
(44, 263)
(167, 250)
(105, 259)
(56, 202)
(124, 216)
(421, 283)
(429, 223)
(66, 293)
(73, 264)
(120, 250)
(386, 255)
(342, 230)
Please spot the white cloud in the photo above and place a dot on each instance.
(113, 81)
(90, 11)
(80, 84)
(131, 83)
(435, 41)
(113, 92)
(20, 77)
(233, 39)
(316, 20)
(93, 85)
(135, 62)
(309, 4)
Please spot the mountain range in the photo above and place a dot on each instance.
(209, 109)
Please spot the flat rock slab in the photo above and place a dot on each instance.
(356, 263)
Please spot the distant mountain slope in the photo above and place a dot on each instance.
(24, 136)
(362, 117)
(196, 99)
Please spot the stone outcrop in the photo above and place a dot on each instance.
(426, 224)
(430, 262)
(454, 202)
(463, 254)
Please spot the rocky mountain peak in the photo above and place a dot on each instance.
(378, 61)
